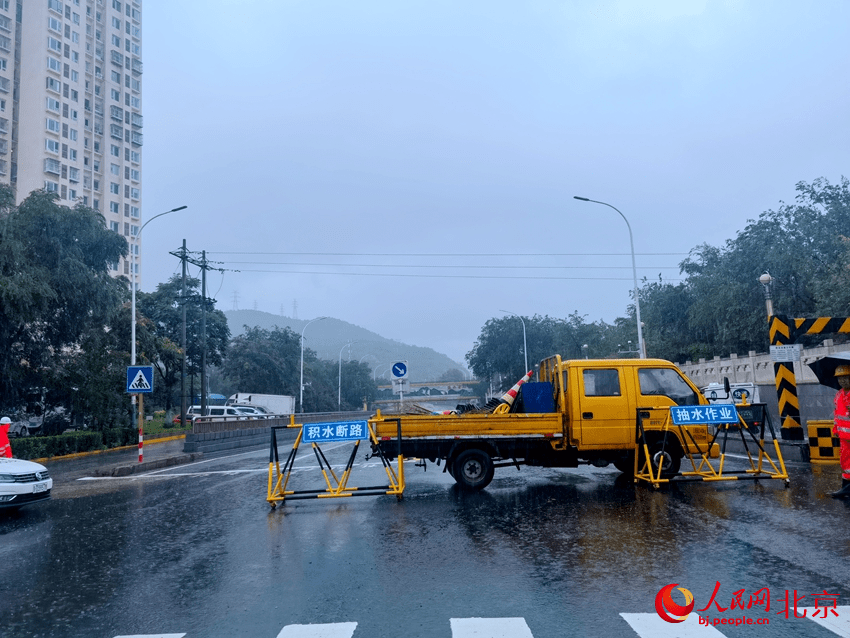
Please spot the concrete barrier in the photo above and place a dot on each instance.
(216, 434)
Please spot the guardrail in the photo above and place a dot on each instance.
(209, 424)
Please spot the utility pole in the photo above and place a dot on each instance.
(183, 406)
(204, 332)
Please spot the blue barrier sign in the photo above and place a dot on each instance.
(716, 414)
(336, 431)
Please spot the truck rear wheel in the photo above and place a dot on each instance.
(473, 470)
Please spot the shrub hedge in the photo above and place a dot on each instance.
(37, 447)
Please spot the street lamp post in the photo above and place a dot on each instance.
(524, 343)
(765, 280)
(641, 344)
(301, 395)
(339, 392)
(134, 267)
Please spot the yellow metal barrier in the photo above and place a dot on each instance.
(824, 448)
(335, 486)
(762, 466)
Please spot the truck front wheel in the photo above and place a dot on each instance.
(668, 456)
(473, 470)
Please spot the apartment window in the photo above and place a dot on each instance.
(97, 166)
(135, 175)
(116, 23)
(115, 94)
(51, 165)
(95, 203)
(73, 134)
(75, 95)
(64, 130)
(55, 5)
(54, 25)
(53, 44)
(134, 230)
(75, 76)
(113, 207)
(52, 125)
(72, 194)
(116, 5)
(3, 105)
(136, 102)
(115, 169)
(75, 37)
(135, 193)
(4, 4)
(52, 104)
(73, 155)
(136, 84)
(97, 147)
(116, 131)
(73, 174)
(134, 212)
(74, 114)
(50, 187)
(76, 18)
(114, 226)
(3, 64)
(114, 188)
(115, 151)
(54, 85)
(116, 77)
(75, 57)
(52, 146)
(116, 41)
(53, 64)
(97, 184)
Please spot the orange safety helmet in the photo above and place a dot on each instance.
(842, 371)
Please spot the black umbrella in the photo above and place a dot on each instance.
(824, 368)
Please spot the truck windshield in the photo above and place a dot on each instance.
(668, 383)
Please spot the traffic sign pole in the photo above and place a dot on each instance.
(141, 423)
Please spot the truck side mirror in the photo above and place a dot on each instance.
(726, 387)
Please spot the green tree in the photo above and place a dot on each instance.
(55, 287)
(265, 361)
(162, 315)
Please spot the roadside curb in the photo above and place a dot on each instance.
(80, 455)
(127, 470)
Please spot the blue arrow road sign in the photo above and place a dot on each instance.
(139, 379)
(400, 369)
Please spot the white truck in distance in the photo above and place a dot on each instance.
(271, 403)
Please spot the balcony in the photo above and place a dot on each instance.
(137, 66)
(136, 138)
(116, 58)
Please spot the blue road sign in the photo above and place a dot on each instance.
(400, 369)
(335, 431)
(139, 379)
(716, 414)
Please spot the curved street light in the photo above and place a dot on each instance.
(301, 385)
(524, 343)
(339, 391)
(641, 344)
(133, 284)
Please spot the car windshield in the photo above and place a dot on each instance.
(668, 383)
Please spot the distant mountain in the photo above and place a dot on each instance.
(329, 336)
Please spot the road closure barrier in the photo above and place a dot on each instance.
(649, 466)
(336, 486)
(823, 446)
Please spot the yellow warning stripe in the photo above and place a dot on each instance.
(777, 325)
(788, 398)
(785, 374)
(819, 325)
(789, 422)
(845, 327)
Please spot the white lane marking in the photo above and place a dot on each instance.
(330, 630)
(262, 470)
(490, 628)
(153, 636)
(839, 625)
(652, 626)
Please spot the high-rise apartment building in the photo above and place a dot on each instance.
(71, 106)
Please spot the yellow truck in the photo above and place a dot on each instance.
(575, 411)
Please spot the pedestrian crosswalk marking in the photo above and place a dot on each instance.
(329, 630)
(490, 628)
(653, 626)
(644, 625)
(839, 625)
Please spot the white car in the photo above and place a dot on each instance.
(23, 482)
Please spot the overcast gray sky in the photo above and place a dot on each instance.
(453, 134)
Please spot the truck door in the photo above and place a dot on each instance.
(607, 419)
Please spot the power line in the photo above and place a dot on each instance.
(255, 252)
(389, 274)
(508, 267)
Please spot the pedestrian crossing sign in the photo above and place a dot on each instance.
(139, 379)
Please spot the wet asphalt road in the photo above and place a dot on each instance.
(196, 549)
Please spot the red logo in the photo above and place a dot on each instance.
(664, 603)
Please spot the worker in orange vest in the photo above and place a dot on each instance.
(841, 428)
(5, 446)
